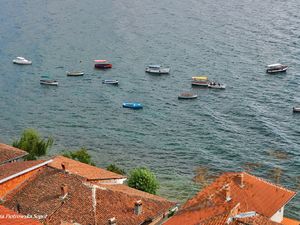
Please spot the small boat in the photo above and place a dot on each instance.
(157, 69)
(102, 64)
(132, 105)
(45, 80)
(114, 82)
(296, 109)
(187, 95)
(216, 85)
(276, 68)
(75, 73)
(200, 81)
(22, 61)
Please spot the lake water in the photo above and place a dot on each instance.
(229, 41)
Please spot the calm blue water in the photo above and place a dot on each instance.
(229, 41)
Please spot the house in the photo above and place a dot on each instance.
(91, 173)
(235, 198)
(10, 154)
(9, 217)
(14, 174)
(69, 198)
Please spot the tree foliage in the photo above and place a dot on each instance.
(143, 179)
(115, 169)
(80, 155)
(32, 143)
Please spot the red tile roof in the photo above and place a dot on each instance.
(256, 195)
(95, 203)
(288, 221)
(84, 170)
(8, 153)
(9, 217)
(9, 169)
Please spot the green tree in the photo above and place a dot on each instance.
(143, 179)
(115, 169)
(80, 155)
(32, 143)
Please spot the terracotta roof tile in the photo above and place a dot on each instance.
(255, 194)
(288, 221)
(9, 217)
(9, 169)
(84, 170)
(42, 196)
(8, 153)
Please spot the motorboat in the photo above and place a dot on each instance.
(102, 64)
(200, 81)
(114, 82)
(132, 105)
(296, 109)
(216, 85)
(45, 80)
(157, 69)
(22, 61)
(187, 95)
(277, 67)
(74, 73)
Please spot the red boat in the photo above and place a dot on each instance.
(102, 64)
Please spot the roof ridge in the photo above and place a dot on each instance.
(268, 182)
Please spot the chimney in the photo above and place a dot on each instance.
(138, 207)
(227, 192)
(64, 166)
(112, 221)
(64, 191)
(241, 180)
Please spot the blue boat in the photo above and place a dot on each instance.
(132, 105)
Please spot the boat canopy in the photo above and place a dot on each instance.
(154, 66)
(21, 58)
(202, 78)
(100, 61)
(274, 65)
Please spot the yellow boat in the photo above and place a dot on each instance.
(200, 81)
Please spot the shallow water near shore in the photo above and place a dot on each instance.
(229, 41)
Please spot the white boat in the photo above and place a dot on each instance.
(115, 82)
(187, 95)
(75, 73)
(216, 85)
(157, 69)
(277, 67)
(22, 61)
(45, 80)
(296, 109)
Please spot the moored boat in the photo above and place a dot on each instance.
(132, 105)
(276, 68)
(74, 73)
(187, 95)
(22, 61)
(114, 82)
(200, 81)
(296, 109)
(102, 64)
(45, 80)
(157, 69)
(216, 85)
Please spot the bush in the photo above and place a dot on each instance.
(80, 155)
(143, 179)
(115, 169)
(32, 143)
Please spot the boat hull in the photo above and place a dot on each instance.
(132, 105)
(103, 66)
(158, 71)
(296, 109)
(281, 70)
(75, 74)
(113, 82)
(200, 84)
(50, 83)
(187, 97)
(22, 62)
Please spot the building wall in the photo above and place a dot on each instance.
(278, 216)
(9, 185)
